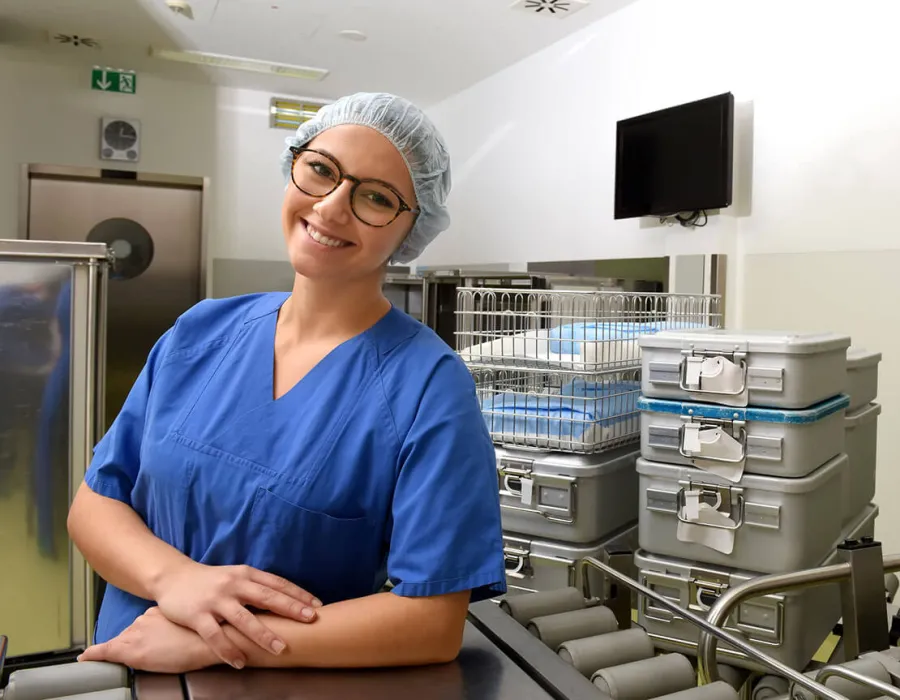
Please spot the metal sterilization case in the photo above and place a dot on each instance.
(861, 429)
(732, 441)
(573, 498)
(731, 368)
(535, 564)
(788, 626)
(764, 523)
(862, 377)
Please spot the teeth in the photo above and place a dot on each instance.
(324, 240)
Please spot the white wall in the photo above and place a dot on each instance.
(49, 114)
(534, 145)
(534, 150)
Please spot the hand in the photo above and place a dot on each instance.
(200, 597)
(154, 643)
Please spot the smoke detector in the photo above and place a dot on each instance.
(181, 7)
(550, 8)
(75, 40)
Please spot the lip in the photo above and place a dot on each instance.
(325, 232)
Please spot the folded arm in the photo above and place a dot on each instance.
(133, 559)
(378, 630)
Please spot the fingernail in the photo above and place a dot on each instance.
(316, 603)
(278, 646)
(307, 614)
(238, 664)
(78, 658)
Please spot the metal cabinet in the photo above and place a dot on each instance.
(52, 340)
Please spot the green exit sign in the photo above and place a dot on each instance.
(110, 80)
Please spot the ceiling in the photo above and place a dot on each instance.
(426, 50)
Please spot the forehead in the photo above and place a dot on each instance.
(365, 153)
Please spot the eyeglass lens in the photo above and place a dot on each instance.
(318, 175)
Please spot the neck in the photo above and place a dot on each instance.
(318, 309)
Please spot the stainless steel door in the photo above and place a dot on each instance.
(155, 233)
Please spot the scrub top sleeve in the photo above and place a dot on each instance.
(446, 534)
(116, 461)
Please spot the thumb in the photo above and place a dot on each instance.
(96, 652)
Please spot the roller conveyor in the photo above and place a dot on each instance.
(562, 644)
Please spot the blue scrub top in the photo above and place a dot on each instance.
(376, 465)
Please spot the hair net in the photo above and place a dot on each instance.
(418, 141)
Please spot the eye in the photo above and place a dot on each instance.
(321, 169)
(380, 200)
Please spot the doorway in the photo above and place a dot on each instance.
(153, 227)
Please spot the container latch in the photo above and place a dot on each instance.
(553, 496)
(723, 374)
(517, 561)
(706, 515)
(719, 447)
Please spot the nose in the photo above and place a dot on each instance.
(336, 206)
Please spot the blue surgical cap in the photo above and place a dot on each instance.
(418, 141)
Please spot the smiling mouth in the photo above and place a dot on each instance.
(324, 240)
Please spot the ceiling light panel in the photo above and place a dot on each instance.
(214, 60)
(290, 113)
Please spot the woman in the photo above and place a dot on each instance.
(282, 456)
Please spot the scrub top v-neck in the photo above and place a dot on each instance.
(376, 464)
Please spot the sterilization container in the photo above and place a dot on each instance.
(744, 368)
(861, 445)
(764, 523)
(568, 497)
(788, 626)
(862, 377)
(732, 441)
(535, 564)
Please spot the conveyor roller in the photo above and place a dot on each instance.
(590, 654)
(647, 678)
(553, 630)
(65, 680)
(524, 608)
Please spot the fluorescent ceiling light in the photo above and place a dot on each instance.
(290, 114)
(249, 64)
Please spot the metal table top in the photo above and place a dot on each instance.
(481, 672)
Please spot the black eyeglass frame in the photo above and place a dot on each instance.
(298, 151)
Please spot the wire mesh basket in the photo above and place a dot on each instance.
(558, 411)
(560, 370)
(589, 332)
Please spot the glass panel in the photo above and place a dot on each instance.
(35, 314)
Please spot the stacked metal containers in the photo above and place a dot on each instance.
(744, 471)
(558, 377)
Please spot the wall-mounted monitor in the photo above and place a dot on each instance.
(676, 160)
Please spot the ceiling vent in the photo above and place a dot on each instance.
(550, 8)
(76, 41)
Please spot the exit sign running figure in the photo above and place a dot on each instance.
(110, 80)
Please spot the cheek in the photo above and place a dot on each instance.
(294, 203)
(393, 236)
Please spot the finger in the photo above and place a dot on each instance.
(250, 626)
(215, 637)
(266, 598)
(95, 652)
(282, 585)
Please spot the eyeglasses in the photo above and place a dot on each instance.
(373, 202)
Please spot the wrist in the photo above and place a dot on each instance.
(159, 578)
(202, 655)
